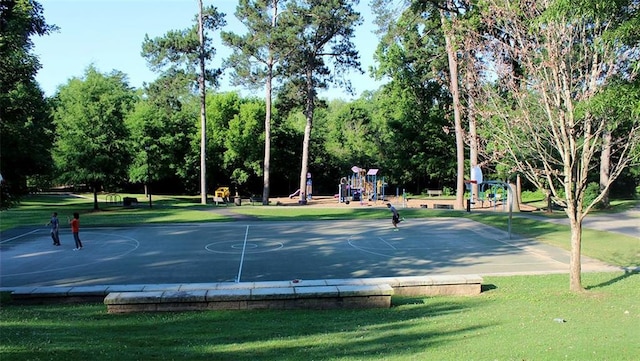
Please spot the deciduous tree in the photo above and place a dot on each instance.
(414, 103)
(448, 37)
(92, 143)
(548, 127)
(162, 130)
(26, 129)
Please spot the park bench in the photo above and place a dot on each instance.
(219, 200)
(442, 206)
(255, 199)
(129, 201)
(434, 192)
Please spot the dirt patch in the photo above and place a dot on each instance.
(332, 201)
(429, 203)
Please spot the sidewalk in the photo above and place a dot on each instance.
(627, 223)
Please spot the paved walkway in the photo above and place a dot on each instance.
(627, 223)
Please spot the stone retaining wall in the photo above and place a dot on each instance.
(297, 297)
(329, 293)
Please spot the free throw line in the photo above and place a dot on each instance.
(20, 236)
(388, 244)
(244, 247)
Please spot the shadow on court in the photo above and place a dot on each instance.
(272, 251)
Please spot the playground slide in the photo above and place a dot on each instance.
(294, 194)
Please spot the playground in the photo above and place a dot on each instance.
(368, 187)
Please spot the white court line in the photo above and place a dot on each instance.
(136, 245)
(244, 247)
(350, 242)
(20, 236)
(388, 244)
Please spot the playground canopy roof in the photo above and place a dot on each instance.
(356, 169)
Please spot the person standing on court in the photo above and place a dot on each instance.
(395, 218)
(75, 229)
(55, 228)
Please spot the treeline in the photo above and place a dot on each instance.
(461, 92)
(99, 132)
(119, 138)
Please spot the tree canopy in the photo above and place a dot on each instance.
(26, 130)
(92, 139)
(408, 129)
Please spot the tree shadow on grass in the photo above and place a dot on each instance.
(487, 288)
(403, 301)
(625, 275)
(398, 333)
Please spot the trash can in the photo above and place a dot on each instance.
(237, 201)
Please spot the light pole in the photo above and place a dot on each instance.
(147, 149)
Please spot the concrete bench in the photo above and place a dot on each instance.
(219, 200)
(434, 192)
(443, 206)
(303, 297)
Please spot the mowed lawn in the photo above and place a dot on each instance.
(515, 318)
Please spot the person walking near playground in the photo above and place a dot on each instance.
(55, 228)
(395, 219)
(75, 229)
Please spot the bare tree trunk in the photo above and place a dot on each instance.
(309, 108)
(471, 83)
(519, 188)
(549, 199)
(95, 198)
(575, 264)
(267, 118)
(605, 168)
(267, 140)
(203, 113)
(573, 181)
(455, 94)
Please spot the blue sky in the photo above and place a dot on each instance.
(109, 34)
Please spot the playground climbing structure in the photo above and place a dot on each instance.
(361, 185)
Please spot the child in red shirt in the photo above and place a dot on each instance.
(75, 229)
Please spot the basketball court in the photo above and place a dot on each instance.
(248, 251)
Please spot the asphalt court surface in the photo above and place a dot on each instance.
(246, 251)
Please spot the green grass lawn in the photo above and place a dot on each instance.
(36, 210)
(513, 318)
